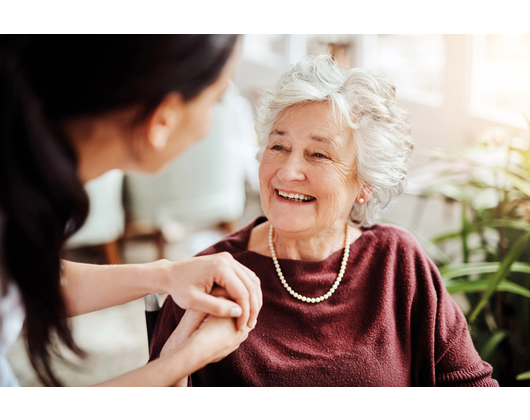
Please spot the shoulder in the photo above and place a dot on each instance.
(401, 254)
(394, 237)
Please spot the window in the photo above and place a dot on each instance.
(501, 78)
(415, 63)
(267, 50)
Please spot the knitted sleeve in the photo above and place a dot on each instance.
(457, 362)
(461, 365)
(443, 353)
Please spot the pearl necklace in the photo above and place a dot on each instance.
(335, 285)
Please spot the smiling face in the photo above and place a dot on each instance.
(308, 156)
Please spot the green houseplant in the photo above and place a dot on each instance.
(490, 182)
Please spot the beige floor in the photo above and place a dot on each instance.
(116, 338)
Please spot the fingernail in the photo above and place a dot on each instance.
(253, 325)
(236, 312)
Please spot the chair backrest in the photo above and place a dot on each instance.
(206, 184)
(106, 217)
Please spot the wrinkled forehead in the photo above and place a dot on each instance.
(321, 123)
(321, 116)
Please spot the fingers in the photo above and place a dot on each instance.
(218, 337)
(202, 273)
(217, 306)
(253, 285)
(189, 323)
(243, 286)
(221, 336)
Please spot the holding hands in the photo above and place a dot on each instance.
(191, 281)
(209, 331)
(214, 338)
(214, 290)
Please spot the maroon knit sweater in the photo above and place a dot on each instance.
(389, 323)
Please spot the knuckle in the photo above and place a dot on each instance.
(245, 295)
(224, 259)
(219, 264)
(190, 300)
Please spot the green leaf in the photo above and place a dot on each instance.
(446, 236)
(523, 376)
(460, 270)
(522, 185)
(482, 284)
(492, 343)
(465, 232)
(492, 223)
(508, 286)
(507, 223)
(503, 271)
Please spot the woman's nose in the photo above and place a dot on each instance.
(292, 170)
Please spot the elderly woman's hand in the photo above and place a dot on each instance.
(214, 337)
(190, 282)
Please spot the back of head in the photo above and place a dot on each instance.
(43, 81)
(91, 74)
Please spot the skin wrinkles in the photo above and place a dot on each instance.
(307, 153)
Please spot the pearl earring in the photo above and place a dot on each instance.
(361, 200)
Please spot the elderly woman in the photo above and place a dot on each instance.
(346, 302)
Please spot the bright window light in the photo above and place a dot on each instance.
(501, 78)
(264, 49)
(415, 63)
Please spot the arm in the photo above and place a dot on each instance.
(457, 362)
(190, 322)
(461, 365)
(214, 339)
(443, 353)
(90, 287)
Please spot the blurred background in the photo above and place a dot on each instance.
(468, 199)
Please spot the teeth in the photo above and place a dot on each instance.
(295, 197)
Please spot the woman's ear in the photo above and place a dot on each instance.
(164, 120)
(365, 194)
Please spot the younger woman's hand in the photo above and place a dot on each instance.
(190, 282)
(213, 337)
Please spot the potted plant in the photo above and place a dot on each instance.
(491, 184)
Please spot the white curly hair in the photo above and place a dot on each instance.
(365, 102)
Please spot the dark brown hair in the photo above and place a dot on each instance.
(43, 80)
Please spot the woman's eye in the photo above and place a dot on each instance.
(277, 147)
(320, 155)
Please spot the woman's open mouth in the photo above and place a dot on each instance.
(299, 198)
